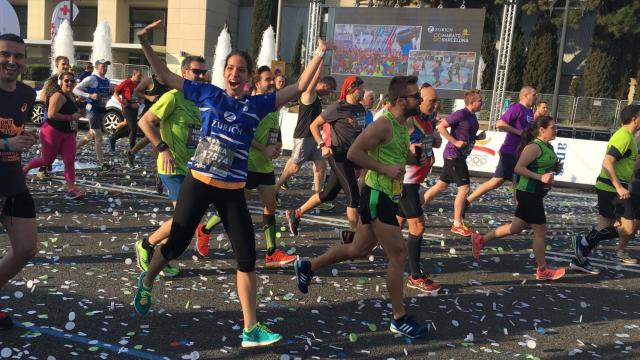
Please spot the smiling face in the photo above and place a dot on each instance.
(236, 75)
(266, 83)
(13, 60)
(66, 83)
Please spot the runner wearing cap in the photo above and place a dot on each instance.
(95, 89)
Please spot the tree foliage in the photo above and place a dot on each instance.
(296, 65)
(542, 56)
(264, 15)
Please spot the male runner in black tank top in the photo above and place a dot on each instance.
(304, 146)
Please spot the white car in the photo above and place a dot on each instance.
(111, 118)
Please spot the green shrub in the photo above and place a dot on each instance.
(37, 72)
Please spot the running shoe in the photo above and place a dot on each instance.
(112, 144)
(106, 167)
(169, 271)
(284, 186)
(143, 256)
(159, 186)
(74, 194)
(259, 335)
(423, 284)
(476, 245)
(129, 157)
(461, 230)
(579, 250)
(409, 328)
(279, 258)
(326, 206)
(42, 173)
(347, 236)
(549, 273)
(303, 275)
(278, 202)
(293, 218)
(202, 242)
(585, 266)
(142, 300)
(5, 321)
(466, 207)
(624, 258)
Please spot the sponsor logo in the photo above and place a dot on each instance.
(23, 108)
(229, 116)
(561, 154)
(477, 160)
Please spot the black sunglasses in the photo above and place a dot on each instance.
(198, 71)
(416, 96)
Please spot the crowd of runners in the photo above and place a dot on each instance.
(214, 146)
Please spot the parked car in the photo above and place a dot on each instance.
(111, 118)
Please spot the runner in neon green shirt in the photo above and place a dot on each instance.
(615, 202)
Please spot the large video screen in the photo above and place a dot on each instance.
(373, 50)
(451, 70)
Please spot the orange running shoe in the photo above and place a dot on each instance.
(279, 258)
(202, 242)
(461, 230)
(423, 284)
(549, 273)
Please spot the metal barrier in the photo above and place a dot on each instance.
(118, 70)
(595, 113)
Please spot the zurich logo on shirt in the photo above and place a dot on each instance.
(229, 116)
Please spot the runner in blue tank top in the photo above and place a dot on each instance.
(218, 172)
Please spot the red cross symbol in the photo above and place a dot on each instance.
(65, 10)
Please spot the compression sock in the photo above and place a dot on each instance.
(269, 229)
(213, 221)
(595, 236)
(413, 255)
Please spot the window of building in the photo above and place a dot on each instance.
(85, 23)
(21, 11)
(139, 18)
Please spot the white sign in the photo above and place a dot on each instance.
(582, 158)
(60, 13)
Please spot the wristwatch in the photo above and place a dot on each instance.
(320, 145)
(162, 146)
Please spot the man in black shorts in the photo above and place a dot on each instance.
(304, 146)
(18, 210)
(515, 121)
(464, 126)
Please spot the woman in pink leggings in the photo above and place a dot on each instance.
(58, 134)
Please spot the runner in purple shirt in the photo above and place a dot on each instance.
(464, 126)
(514, 122)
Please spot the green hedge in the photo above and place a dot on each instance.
(37, 72)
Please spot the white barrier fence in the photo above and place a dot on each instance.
(582, 158)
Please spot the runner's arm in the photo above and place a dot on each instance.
(608, 165)
(529, 154)
(148, 124)
(309, 95)
(379, 132)
(140, 89)
(504, 126)
(442, 129)
(81, 88)
(293, 91)
(159, 68)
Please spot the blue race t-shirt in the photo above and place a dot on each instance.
(228, 126)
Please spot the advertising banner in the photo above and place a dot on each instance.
(373, 50)
(443, 69)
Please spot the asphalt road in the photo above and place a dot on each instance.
(73, 301)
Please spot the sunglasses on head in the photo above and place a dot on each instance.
(199, 72)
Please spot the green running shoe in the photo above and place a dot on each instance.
(169, 271)
(143, 256)
(326, 206)
(142, 301)
(259, 335)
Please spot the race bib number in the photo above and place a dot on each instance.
(273, 136)
(427, 144)
(193, 136)
(359, 122)
(396, 188)
(213, 153)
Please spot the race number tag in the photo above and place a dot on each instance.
(213, 153)
(427, 144)
(193, 137)
(359, 122)
(396, 188)
(273, 136)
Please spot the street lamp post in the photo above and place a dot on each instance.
(556, 88)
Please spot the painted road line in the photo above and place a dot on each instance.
(120, 350)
